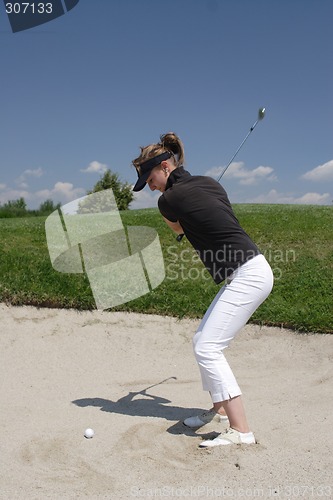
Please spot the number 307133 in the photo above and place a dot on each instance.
(29, 7)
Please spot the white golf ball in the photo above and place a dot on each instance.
(89, 433)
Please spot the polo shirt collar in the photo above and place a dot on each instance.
(175, 175)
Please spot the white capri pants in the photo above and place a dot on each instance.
(230, 310)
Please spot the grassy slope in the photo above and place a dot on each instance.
(297, 241)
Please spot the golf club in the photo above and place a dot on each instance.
(261, 115)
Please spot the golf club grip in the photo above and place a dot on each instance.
(180, 237)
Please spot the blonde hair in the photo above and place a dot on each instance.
(169, 142)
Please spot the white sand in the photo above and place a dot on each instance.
(63, 371)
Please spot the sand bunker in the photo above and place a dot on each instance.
(63, 371)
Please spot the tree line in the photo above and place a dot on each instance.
(122, 192)
(18, 208)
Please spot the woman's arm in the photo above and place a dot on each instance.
(175, 226)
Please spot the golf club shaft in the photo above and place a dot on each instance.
(261, 115)
(236, 153)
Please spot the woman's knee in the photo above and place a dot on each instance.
(202, 349)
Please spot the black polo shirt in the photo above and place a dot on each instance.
(201, 206)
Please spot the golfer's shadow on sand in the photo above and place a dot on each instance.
(148, 405)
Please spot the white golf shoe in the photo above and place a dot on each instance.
(205, 418)
(230, 436)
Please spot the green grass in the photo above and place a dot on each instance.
(296, 240)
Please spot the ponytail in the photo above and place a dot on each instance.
(169, 142)
(172, 143)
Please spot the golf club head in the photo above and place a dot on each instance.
(261, 113)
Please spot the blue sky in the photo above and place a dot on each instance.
(81, 94)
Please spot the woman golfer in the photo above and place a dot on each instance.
(199, 207)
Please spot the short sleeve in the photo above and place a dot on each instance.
(166, 210)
